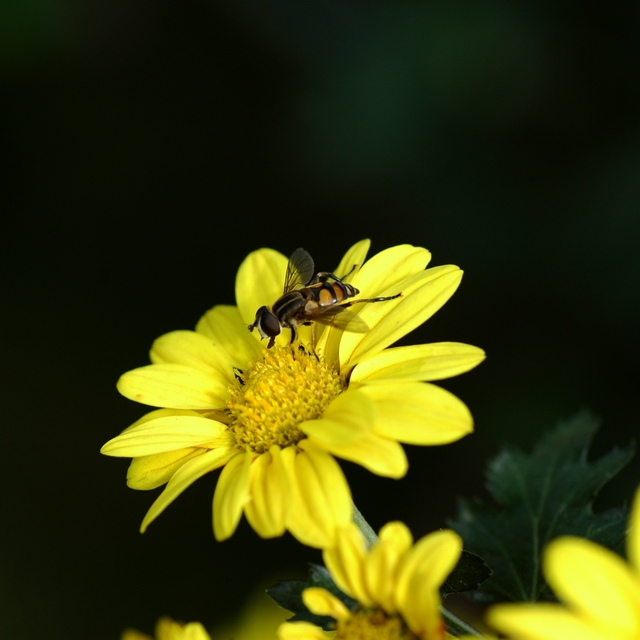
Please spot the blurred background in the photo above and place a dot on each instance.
(147, 147)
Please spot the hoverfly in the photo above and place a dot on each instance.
(309, 297)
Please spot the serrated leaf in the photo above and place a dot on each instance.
(288, 594)
(541, 496)
(467, 575)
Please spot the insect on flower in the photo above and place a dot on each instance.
(308, 298)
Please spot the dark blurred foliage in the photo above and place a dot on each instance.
(147, 147)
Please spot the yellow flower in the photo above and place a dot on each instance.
(167, 629)
(395, 583)
(600, 592)
(274, 419)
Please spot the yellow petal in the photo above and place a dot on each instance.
(345, 561)
(389, 267)
(224, 326)
(543, 621)
(132, 634)
(418, 413)
(427, 563)
(421, 611)
(418, 362)
(194, 631)
(175, 386)
(231, 495)
(434, 556)
(193, 350)
(323, 603)
(149, 472)
(260, 281)
(348, 418)
(633, 537)
(381, 565)
(166, 434)
(300, 521)
(398, 535)
(321, 499)
(161, 413)
(422, 295)
(320, 473)
(382, 272)
(167, 629)
(301, 631)
(354, 257)
(186, 475)
(270, 495)
(378, 454)
(595, 581)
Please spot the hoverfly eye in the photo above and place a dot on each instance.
(270, 324)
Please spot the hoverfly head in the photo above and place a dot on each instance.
(267, 324)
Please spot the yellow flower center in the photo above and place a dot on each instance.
(373, 624)
(275, 393)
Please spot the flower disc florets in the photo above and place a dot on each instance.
(373, 624)
(275, 393)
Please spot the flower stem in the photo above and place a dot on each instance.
(368, 533)
(456, 626)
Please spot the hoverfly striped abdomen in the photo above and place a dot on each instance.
(327, 294)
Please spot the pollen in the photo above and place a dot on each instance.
(373, 624)
(275, 393)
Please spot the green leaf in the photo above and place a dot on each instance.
(541, 496)
(288, 594)
(467, 575)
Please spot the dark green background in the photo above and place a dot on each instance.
(147, 147)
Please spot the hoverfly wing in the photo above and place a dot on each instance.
(300, 270)
(342, 318)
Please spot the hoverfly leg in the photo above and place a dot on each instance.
(346, 275)
(381, 299)
(323, 276)
(312, 341)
